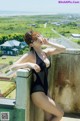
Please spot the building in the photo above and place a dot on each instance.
(76, 35)
(12, 47)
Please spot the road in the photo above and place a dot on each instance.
(65, 41)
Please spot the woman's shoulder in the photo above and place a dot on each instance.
(30, 56)
(27, 57)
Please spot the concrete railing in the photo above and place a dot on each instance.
(64, 80)
(23, 81)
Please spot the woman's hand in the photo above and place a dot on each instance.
(35, 67)
(45, 41)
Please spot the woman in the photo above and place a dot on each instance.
(37, 60)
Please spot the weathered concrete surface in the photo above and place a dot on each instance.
(64, 80)
(70, 119)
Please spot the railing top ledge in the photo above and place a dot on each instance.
(7, 102)
(23, 72)
(72, 51)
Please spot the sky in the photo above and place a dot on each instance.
(43, 6)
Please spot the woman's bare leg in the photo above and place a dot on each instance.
(50, 117)
(47, 104)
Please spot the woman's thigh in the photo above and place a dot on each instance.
(46, 103)
(48, 116)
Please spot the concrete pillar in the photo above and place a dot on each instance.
(23, 95)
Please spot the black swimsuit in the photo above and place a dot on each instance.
(40, 83)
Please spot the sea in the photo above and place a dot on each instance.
(19, 13)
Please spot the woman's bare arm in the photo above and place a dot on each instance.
(23, 59)
(54, 48)
(26, 65)
(26, 61)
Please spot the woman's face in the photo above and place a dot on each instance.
(38, 41)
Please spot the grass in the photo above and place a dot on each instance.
(8, 85)
(8, 59)
(4, 86)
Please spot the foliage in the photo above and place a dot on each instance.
(7, 71)
(15, 27)
(10, 62)
(25, 50)
(16, 36)
(21, 52)
(77, 40)
(0, 53)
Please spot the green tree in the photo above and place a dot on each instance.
(0, 53)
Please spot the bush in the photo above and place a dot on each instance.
(77, 41)
(10, 62)
(7, 71)
(0, 53)
(21, 52)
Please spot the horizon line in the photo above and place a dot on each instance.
(45, 12)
